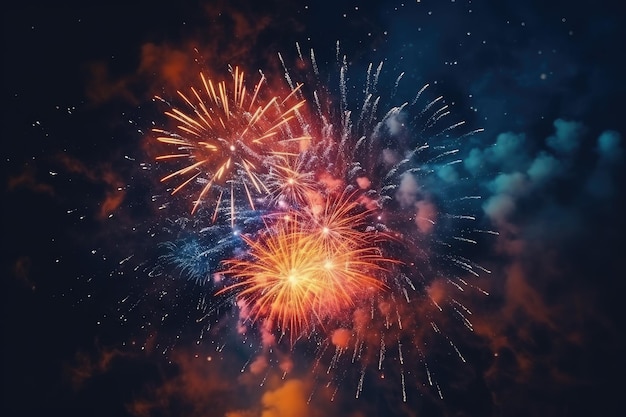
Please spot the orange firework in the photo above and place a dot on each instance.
(227, 136)
(296, 277)
(340, 223)
(289, 184)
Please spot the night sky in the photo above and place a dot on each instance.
(97, 322)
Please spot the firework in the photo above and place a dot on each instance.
(396, 158)
(198, 254)
(358, 240)
(225, 138)
(309, 266)
(289, 184)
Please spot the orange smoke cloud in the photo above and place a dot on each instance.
(289, 400)
(87, 366)
(333, 185)
(201, 387)
(230, 37)
(341, 338)
(364, 183)
(258, 365)
(167, 65)
(533, 336)
(102, 87)
(437, 291)
(425, 216)
(361, 319)
(28, 179)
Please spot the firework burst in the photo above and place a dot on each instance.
(309, 266)
(226, 138)
(289, 185)
(357, 242)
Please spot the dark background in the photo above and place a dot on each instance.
(78, 81)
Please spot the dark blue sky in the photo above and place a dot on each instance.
(543, 78)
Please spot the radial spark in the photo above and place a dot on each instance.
(225, 137)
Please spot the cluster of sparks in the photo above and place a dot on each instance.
(309, 265)
(322, 190)
(317, 256)
(229, 133)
